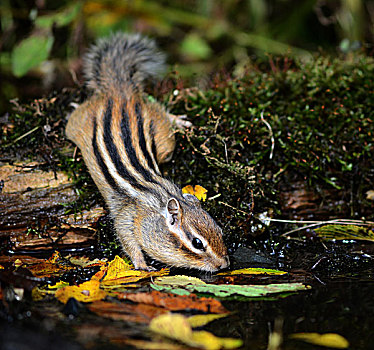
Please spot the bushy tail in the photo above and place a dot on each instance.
(122, 60)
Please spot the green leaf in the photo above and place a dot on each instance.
(340, 232)
(178, 280)
(30, 52)
(224, 290)
(61, 18)
(195, 47)
(253, 271)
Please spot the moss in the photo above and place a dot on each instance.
(283, 121)
(319, 116)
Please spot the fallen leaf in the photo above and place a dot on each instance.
(18, 263)
(253, 271)
(177, 327)
(40, 293)
(149, 345)
(341, 232)
(209, 341)
(330, 340)
(131, 276)
(178, 280)
(202, 320)
(58, 285)
(175, 303)
(86, 292)
(99, 275)
(54, 266)
(47, 269)
(188, 189)
(199, 192)
(224, 290)
(118, 268)
(139, 313)
(83, 261)
(119, 272)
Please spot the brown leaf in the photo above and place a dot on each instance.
(140, 313)
(55, 265)
(174, 302)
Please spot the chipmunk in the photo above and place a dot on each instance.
(123, 138)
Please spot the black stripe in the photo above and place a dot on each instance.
(154, 148)
(113, 152)
(109, 179)
(143, 145)
(126, 137)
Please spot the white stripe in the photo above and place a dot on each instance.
(111, 167)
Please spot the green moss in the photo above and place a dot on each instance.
(320, 115)
(283, 121)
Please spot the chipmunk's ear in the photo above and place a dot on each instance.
(173, 212)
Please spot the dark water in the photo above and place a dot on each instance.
(341, 300)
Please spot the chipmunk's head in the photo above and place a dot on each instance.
(195, 238)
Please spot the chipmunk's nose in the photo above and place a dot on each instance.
(225, 262)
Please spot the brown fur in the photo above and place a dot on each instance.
(124, 167)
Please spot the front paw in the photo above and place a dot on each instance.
(141, 265)
(180, 121)
(146, 268)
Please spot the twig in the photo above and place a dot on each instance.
(23, 136)
(214, 197)
(230, 206)
(317, 223)
(311, 223)
(271, 134)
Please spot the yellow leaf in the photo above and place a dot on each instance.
(54, 258)
(18, 262)
(1, 267)
(330, 340)
(210, 342)
(38, 294)
(253, 271)
(86, 292)
(119, 268)
(178, 280)
(100, 274)
(131, 276)
(202, 320)
(59, 285)
(177, 327)
(199, 192)
(150, 345)
(119, 272)
(188, 189)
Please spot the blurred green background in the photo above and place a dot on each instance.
(41, 42)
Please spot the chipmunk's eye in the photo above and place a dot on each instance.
(197, 244)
